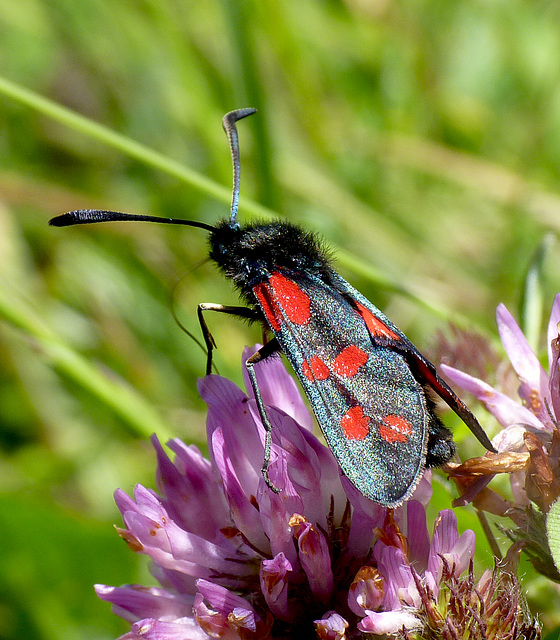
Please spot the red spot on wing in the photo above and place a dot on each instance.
(293, 300)
(315, 369)
(349, 360)
(271, 311)
(375, 326)
(307, 371)
(395, 429)
(355, 423)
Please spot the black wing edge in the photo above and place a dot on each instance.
(423, 369)
(427, 373)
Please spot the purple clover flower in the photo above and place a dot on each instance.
(529, 442)
(539, 391)
(235, 560)
(528, 445)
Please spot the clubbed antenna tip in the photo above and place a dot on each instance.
(231, 131)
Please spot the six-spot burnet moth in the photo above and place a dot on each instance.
(367, 383)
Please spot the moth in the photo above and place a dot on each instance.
(369, 386)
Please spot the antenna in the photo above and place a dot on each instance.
(231, 131)
(90, 216)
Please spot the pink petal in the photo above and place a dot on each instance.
(278, 388)
(504, 409)
(309, 469)
(367, 515)
(485, 581)
(332, 626)
(174, 580)
(315, 560)
(245, 514)
(400, 587)
(243, 618)
(554, 355)
(510, 439)
(457, 550)
(238, 611)
(552, 332)
(185, 629)
(534, 381)
(474, 489)
(189, 486)
(274, 578)
(416, 531)
(214, 623)
(286, 460)
(555, 381)
(276, 509)
(173, 548)
(228, 411)
(331, 487)
(423, 492)
(222, 599)
(135, 602)
(445, 532)
(124, 502)
(517, 481)
(388, 622)
(366, 591)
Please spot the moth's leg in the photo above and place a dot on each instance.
(240, 312)
(264, 352)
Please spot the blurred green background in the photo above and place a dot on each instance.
(422, 139)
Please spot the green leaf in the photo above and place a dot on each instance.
(533, 296)
(553, 532)
(50, 561)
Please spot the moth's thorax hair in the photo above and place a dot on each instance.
(249, 254)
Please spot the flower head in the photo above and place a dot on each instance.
(539, 391)
(236, 560)
(530, 426)
(528, 445)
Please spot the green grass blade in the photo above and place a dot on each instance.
(123, 400)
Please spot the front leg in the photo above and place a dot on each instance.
(264, 352)
(240, 312)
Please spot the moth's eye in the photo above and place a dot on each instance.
(218, 250)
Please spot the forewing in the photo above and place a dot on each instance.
(383, 331)
(370, 407)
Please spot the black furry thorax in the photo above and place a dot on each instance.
(249, 254)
